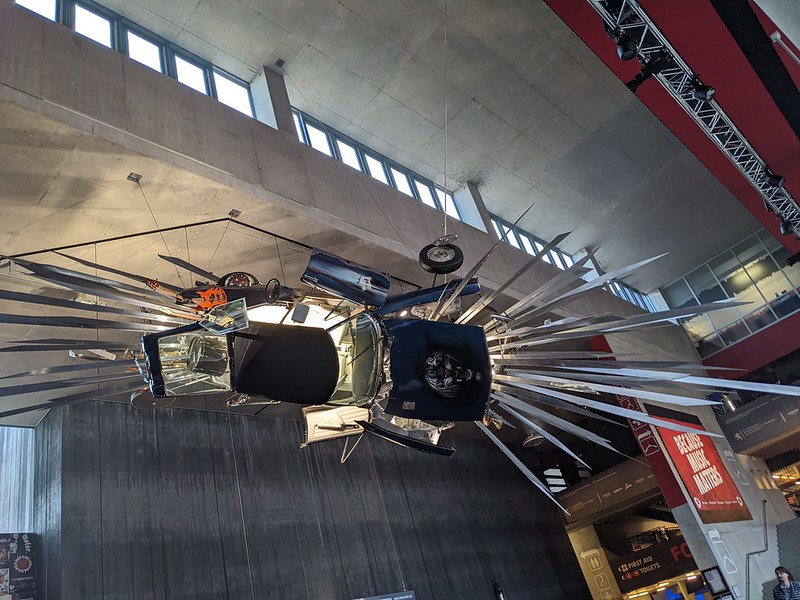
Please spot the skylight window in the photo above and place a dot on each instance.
(145, 52)
(319, 139)
(298, 127)
(425, 193)
(448, 207)
(232, 94)
(189, 74)
(401, 181)
(46, 8)
(93, 26)
(348, 154)
(376, 169)
(527, 245)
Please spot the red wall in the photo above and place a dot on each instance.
(760, 348)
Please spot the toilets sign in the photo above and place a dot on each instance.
(713, 492)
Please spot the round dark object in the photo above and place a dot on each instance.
(444, 374)
(238, 279)
(441, 259)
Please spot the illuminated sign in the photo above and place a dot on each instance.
(703, 472)
(653, 564)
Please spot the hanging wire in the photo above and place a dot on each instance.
(219, 243)
(158, 227)
(446, 195)
(280, 262)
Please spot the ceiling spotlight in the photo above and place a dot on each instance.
(702, 92)
(652, 67)
(626, 47)
(768, 207)
(773, 179)
(785, 227)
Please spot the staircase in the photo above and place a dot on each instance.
(788, 552)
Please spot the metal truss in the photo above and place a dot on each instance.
(626, 16)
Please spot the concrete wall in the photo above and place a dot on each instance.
(149, 506)
(16, 479)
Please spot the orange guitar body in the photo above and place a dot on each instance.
(209, 298)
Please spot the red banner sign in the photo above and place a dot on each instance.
(673, 494)
(705, 477)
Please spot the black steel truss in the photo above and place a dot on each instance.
(626, 16)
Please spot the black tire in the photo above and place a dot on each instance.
(441, 259)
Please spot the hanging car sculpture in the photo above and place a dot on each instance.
(402, 367)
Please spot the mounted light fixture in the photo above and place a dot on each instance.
(702, 92)
(773, 179)
(626, 47)
(785, 227)
(652, 67)
(768, 207)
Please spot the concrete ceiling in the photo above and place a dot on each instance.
(532, 115)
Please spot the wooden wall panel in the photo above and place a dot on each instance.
(150, 507)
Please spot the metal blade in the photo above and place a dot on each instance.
(117, 364)
(624, 391)
(518, 463)
(78, 322)
(543, 432)
(30, 388)
(587, 287)
(132, 276)
(140, 299)
(551, 402)
(556, 421)
(47, 271)
(74, 399)
(553, 285)
(476, 308)
(189, 267)
(633, 415)
(61, 303)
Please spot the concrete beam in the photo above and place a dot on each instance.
(271, 101)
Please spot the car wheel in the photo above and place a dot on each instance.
(442, 259)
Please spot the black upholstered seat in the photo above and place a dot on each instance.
(286, 363)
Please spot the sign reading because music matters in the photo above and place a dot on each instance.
(703, 472)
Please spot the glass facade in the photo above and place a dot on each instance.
(749, 272)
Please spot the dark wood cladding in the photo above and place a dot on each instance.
(150, 506)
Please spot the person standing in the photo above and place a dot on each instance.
(787, 588)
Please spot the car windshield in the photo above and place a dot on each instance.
(194, 363)
(358, 343)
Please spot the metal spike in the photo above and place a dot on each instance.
(118, 364)
(552, 402)
(476, 308)
(30, 388)
(97, 308)
(78, 322)
(132, 276)
(543, 432)
(613, 389)
(72, 399)
(189, 267)
(602, 406)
